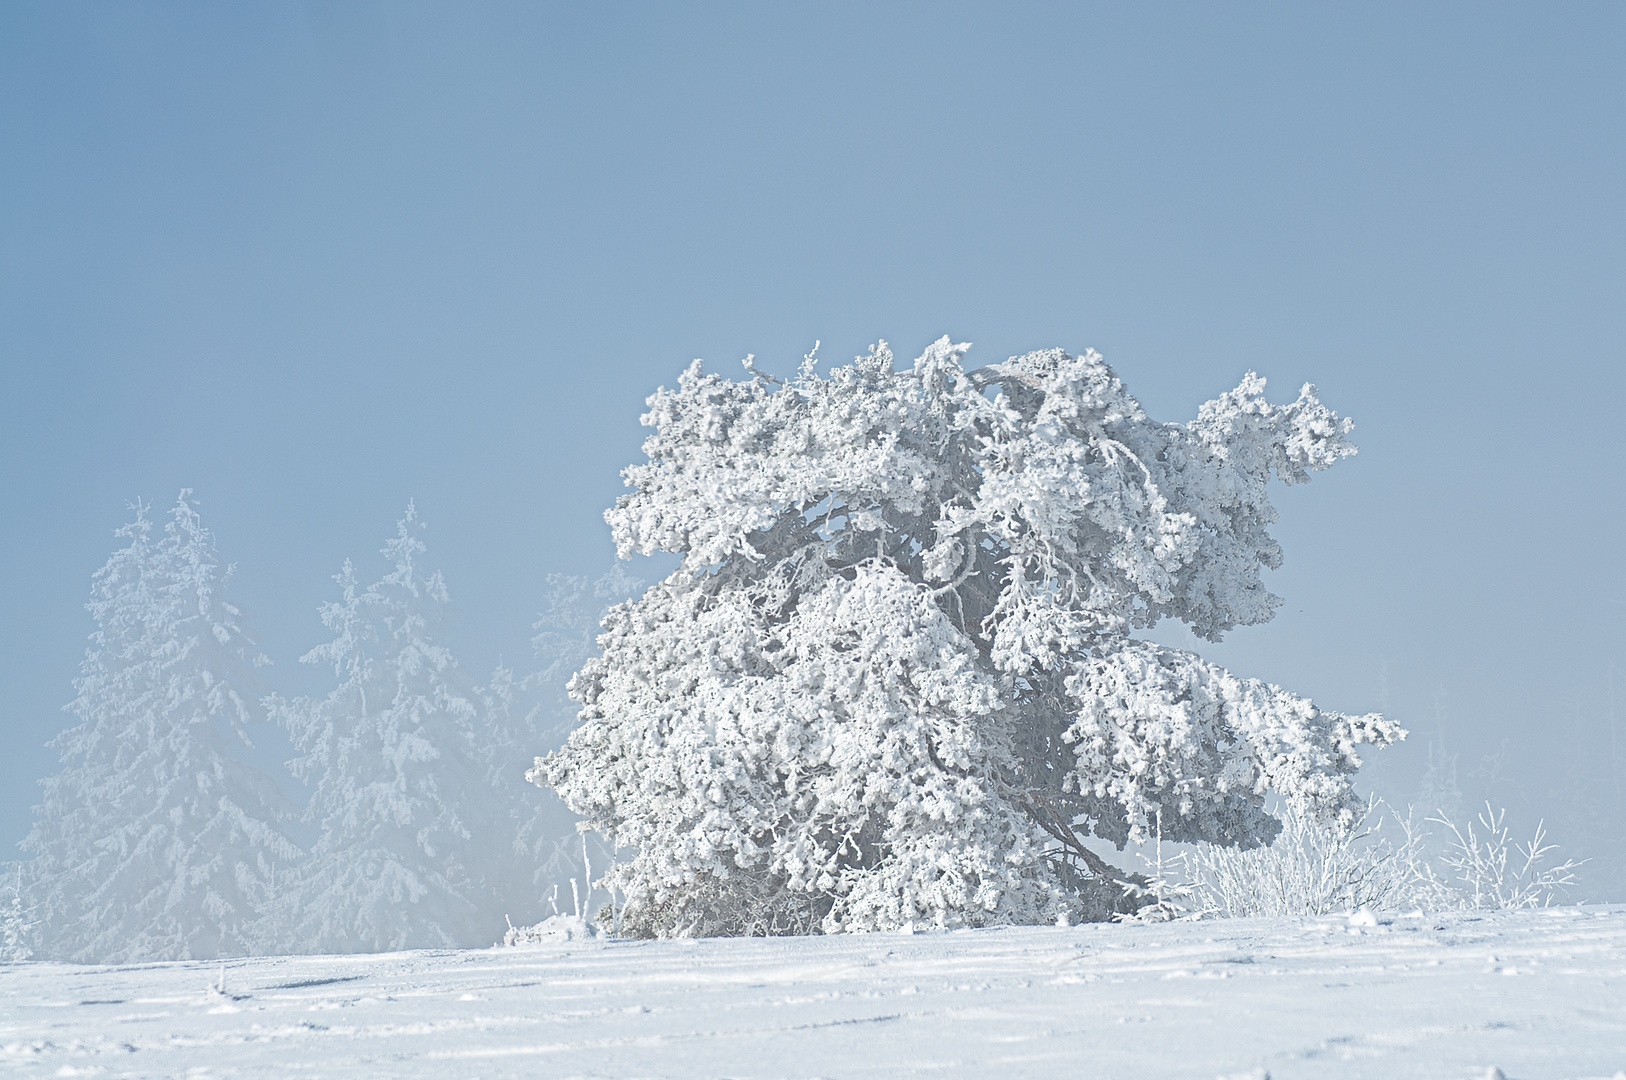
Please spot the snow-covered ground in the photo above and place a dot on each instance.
(1540, 994)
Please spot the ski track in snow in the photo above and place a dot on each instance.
(1541, 994)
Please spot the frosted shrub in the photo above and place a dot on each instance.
(893, 680)
(1318, 870)
(1492, 871)
(1309, 869)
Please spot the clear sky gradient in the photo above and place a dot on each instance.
(315, 260)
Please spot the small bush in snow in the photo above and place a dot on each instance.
(1317, 870)
(1492, 871)
(1309, 869)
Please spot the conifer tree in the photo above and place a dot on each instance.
(153, 843)
(15, 929)
(896, 678)
(534, 715)
(403, 790)
(566, 636)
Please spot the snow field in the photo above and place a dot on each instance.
(1538, 994)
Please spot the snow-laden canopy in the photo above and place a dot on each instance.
(894, 677)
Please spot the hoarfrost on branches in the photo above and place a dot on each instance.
(894, 680)
(1313, 869)
(1495, 872)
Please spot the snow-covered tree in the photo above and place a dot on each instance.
(534, 715)
(16, 931)
(895, 680)
(402, 778)
(153, 843)
(566, 637)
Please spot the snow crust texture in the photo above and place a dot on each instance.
(1532, 994)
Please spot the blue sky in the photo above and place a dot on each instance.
(315, 260)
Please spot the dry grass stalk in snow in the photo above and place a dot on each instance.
(1315, 870)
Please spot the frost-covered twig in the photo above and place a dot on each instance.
(1309, 869)
(1496, 873)
(1314, 870)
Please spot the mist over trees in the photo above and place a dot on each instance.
(402, 770)
(153, 842)
(156, 842)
